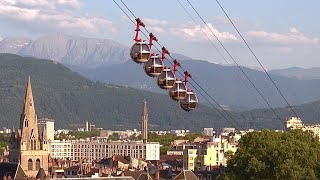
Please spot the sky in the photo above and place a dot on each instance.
(282, 33)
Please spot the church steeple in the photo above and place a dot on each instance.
(27, 147)
(28, 122)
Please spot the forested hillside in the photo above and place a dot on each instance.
(71, 100)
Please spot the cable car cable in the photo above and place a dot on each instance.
(235, 74)
(257, 59)
(182, 74)
(279, 118)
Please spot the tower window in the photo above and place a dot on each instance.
(30, 165)
(37, 164)
(26, 123)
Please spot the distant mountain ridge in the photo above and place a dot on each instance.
(298, 73)
(73, 51)
(219, 81)
(108, 61)
(69, 50)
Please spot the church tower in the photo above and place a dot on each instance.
(28, 147)
(144, 123)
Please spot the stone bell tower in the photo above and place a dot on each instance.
(28, 147)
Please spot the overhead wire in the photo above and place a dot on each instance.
(257, 59)
(235, 75)
(240, 126)
(251, 82)
(190, 77)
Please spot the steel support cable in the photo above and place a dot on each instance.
(279, 118)
(184, 70)
(257, 59)
(182, 73)
(235, 74)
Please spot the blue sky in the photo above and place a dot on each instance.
(282, 33)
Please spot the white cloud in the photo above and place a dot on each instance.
(194, 33)
(154, 22)
(72, 4)
(292, 37)
(51, 15)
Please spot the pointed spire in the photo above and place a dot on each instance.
(28, 121)
(44, 134)
(28, 106)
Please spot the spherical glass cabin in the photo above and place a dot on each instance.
(178, 91)
(154, 66)
(190, 102)
(140, 52)
(166, 79)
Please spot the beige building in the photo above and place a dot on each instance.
(28, 147)
(89, 150)
(48, 125)
(296, 123)
(207, 155)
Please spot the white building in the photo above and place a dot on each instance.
(180, 132)
(227, 131)
(122, 134)
(49, 125)
(208, 131)
(60, 149)
(294, 122)
(90, 150)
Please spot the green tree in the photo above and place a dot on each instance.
(228, 154)
(293, 154)
(114, 137)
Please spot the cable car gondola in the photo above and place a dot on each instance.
(178, 91)
(190, 102)
(154, 66)
(140, 51)
(166, 79)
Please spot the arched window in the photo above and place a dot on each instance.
(34, 145)
(30, 165)
(26, 123)
(37, 164)
(31, 145)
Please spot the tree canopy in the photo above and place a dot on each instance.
(293, 154)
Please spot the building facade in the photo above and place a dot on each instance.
(296, 123)
(89, 150)
(48, 125)
(208, 131)
(27, 146)
(205, 156)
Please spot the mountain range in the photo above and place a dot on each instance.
(69, 50)
(298, 73)
(108, 61)
(224, 83)
(71, 100)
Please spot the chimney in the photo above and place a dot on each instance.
(158, 174)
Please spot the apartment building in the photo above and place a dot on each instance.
(89, 150)
(204, 156)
